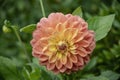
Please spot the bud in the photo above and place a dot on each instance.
(7, 23)
(6, 29)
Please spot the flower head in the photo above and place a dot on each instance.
(62, 43)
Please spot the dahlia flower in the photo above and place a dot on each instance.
(62, 43)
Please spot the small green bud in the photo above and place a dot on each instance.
(6, 29)
(7, 23)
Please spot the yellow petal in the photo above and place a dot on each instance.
(78, 38)
(59, 55)
(73, 52)
(74, 33)
(52, 48)
(67, 34)
(60, 27)
(63, 60)
(48, 53)
(52, 39)
(70, 33)
(72, 47)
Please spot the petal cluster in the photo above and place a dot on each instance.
(62, 43)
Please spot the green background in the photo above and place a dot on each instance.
(105, 60)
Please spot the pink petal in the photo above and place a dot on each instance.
(68, 15)
(69, 64)
(89, 37)
(92, 46)
(43, 58)
(43, 62)
(63, 69)
(84, 26)
(56, 18)
(55, 70)
(82, 52)
(79, 37)
(75, 68)
(58, 64)
(73, 58)
(50, 66)
(80, 61)
(36, 54)
(84, 43)
(86, 59)
(32, 42)
(44, 22)
(39, 45)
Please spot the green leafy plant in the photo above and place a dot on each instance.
(104, 63)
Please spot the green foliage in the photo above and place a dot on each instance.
(106, 75)
(34, 74)
(78, 12)
(105, 60)
(101, 25)
(28, 29)
(8, 69)
(91, 64)
(109, 57)
(110, 75)
(96, 78)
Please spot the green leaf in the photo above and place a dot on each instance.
(98, 78)
(101, 25)
(110, 75)
(8, 69)
(29, 28)
(88, 75)
(78, 12)
(34, 74)
(26, 74)
(91, 64)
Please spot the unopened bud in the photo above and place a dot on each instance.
(6, 29)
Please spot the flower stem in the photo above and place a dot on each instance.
(43, 11)
(22, 45)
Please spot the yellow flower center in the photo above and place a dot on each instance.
(62, 46)
(61, 41)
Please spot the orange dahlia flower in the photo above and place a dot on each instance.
(62, 43)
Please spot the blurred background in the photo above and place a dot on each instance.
(24, 12)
